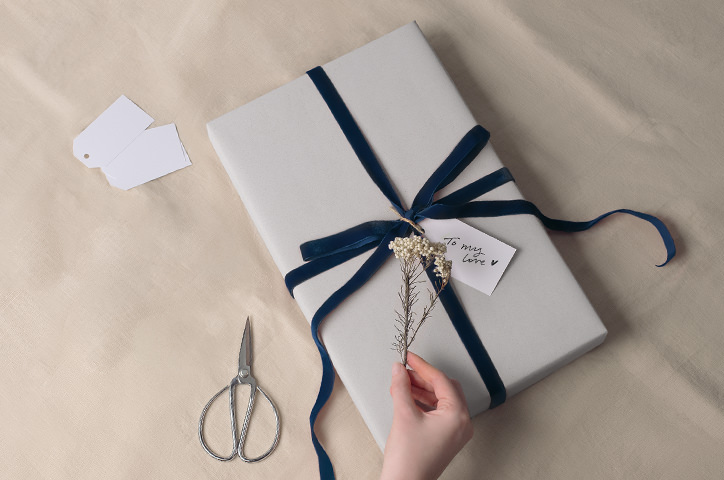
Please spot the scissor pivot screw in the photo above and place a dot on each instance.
(244, 373)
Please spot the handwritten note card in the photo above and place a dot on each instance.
(479, 260)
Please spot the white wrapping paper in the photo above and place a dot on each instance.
(300, 180)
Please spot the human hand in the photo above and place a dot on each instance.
(426, 435)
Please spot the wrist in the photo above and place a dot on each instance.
(403, 472)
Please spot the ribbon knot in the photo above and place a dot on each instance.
(325, 253)
(409, 217)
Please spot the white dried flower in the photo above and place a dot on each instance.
(443, 268)
(416, 254)
(407, 248)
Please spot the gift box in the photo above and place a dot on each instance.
(300, 180)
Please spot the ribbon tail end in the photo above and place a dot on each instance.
(670, 250)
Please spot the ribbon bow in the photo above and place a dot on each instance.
(325, 253)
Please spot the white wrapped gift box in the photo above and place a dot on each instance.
(300, 180)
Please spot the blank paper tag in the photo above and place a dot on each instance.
(129, 155)
(155, 153)
(110, 133)
(479, 260)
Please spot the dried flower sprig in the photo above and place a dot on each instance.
(416, 254)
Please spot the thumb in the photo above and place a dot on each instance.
(400, 389)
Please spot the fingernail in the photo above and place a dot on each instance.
(397, 369)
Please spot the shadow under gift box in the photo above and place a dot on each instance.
(300, 180)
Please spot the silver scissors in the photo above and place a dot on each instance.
(243, 377)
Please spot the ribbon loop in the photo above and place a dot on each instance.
(362, 234)
(461, 156)
(479, 187)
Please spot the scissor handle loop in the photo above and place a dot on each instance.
(201, 428)
(238, 444)
(245, 426)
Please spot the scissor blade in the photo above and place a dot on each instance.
(245, 352)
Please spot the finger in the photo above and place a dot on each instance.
(423, 396)
(418, 381)
(448, 395)
(424, 408)
(400, 390)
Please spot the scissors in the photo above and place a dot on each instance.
(243, 377)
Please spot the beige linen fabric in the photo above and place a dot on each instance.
(121, 312)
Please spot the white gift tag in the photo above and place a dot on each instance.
(155, 153)
(479, 260)
(129, 155)
(110, 133)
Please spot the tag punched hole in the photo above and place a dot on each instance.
(86, 156)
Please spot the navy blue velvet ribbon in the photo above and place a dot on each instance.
(328, 252)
